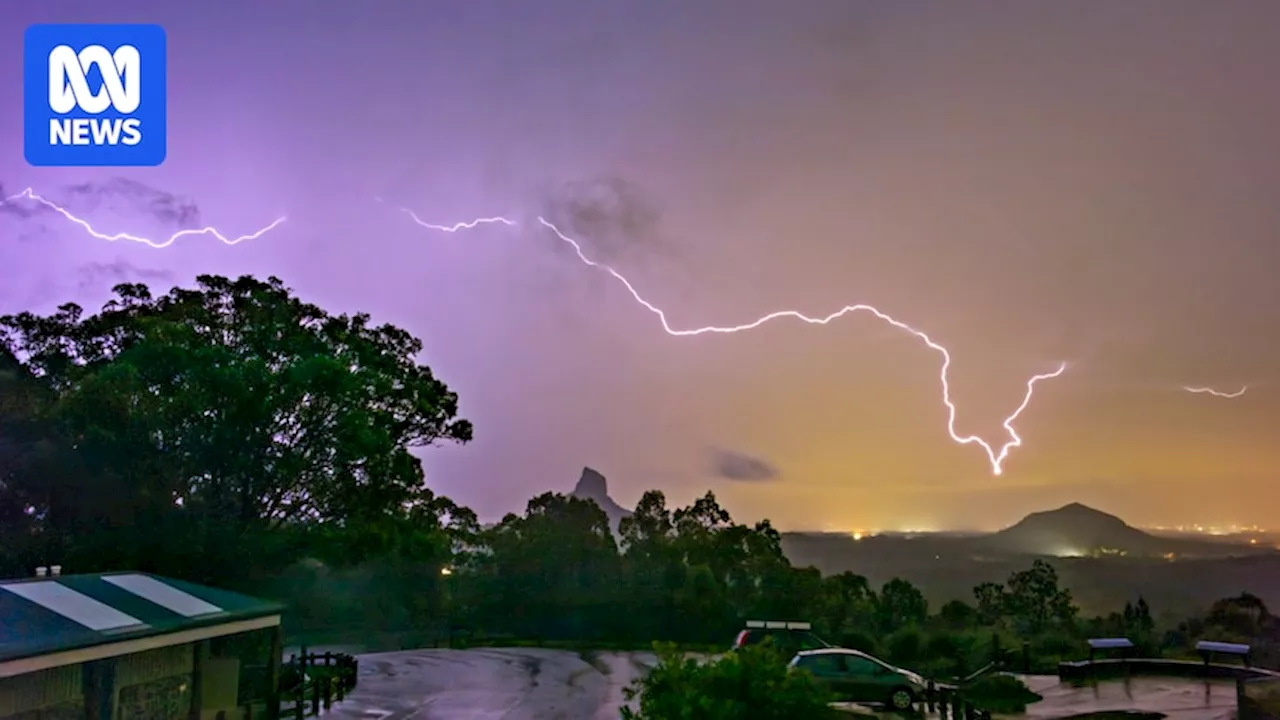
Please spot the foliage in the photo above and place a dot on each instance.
(1031, 600)
(223, 420)
(752, 683)
(1000, 693)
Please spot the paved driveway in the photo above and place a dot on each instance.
(534, 684)
(491, 684)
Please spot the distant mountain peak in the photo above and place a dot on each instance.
(594, 487)
(591, 485)
(1080, 509)
(1073, 518)
(1073, 529)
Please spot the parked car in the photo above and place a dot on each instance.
(788, 637)
(859, 677)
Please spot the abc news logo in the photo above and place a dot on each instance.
(69, 89)
(94, 95)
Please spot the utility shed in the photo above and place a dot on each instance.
(137, 647)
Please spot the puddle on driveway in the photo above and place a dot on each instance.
(1176, 698)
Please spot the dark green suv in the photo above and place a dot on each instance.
(857, 676)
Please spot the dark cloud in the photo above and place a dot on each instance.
(164, 206)
(118, 194)
(613, 217)
(733, 465)
(96, 275)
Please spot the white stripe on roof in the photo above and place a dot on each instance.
(73, 605)
(166, 596)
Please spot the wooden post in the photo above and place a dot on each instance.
(315, 698)
(1026, 657)
(199, 653)
(273, 673)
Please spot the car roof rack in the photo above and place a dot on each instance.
(779, 625)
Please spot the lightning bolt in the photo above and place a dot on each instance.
(469, 225)
(29, 194)
(1217, 393)
(996, 456)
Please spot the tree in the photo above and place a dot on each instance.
(991, 600)
(1034, 599)
(654, 570)
(957, 615)
(846, 609)
(1242, 616)
(227, 415)
(549, 574)
(41, 478)
(1137, 618)
(900, 603)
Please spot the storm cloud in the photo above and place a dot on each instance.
(741, 467)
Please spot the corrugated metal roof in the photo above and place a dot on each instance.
(53, 614)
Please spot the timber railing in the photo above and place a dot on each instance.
(311, 682)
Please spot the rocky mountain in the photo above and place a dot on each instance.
(593, 486)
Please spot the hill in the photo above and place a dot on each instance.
(1101, 558)
(593, 486)
(1077, 530)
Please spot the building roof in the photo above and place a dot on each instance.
(45, 615)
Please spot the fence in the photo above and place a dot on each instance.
(1258, 699)
(312, 682)
(950, 704)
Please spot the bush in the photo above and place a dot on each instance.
(1003, 694)
(753, 682)
(857, 640)
(948, 655)
(906, 646)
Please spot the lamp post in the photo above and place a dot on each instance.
(447, 597)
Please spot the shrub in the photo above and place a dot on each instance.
(857, 640)
(1003, 694)
(753, 682)
(906, 646)
(948, 655)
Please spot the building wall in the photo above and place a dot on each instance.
(52, 694)
(151, 685)
(154, 685)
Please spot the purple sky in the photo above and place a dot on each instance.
(1027, 182)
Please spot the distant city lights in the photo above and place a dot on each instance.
(1211, 529)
